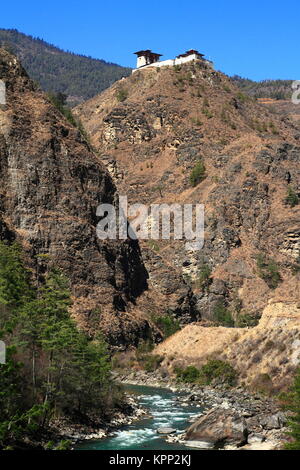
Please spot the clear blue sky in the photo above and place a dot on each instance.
(258, 39)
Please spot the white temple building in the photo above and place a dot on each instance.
(147, 58)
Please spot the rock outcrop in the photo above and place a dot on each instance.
(229, 427)
(219, 427)
(168, 121)
(51, 185)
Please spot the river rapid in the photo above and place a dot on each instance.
(163, 410)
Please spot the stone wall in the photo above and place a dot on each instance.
(170, 62)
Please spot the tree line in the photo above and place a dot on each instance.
(79, 77)
(275, 89)
(52, 369)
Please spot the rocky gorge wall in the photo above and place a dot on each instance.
(51, 185)
(152, 137)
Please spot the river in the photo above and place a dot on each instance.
(164, 411)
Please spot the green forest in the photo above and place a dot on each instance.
(275, 89)
(77, 76)
(52, 369)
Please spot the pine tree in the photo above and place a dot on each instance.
(59, 370)
(293, 404)
(14, 285)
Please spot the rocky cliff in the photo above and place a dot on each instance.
(153, 127)
(51, 185)
(151, 130)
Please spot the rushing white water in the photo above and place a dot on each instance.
(164, 411)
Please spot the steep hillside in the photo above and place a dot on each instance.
(266, 355)
(276, 95)
(152, 140)
(77, 76)
(152, 129)
(284, 108)
(51, 185)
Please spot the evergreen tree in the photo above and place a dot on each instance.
(14, 286)
(52, 369)
(293, 404)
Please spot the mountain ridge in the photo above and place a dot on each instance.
(78, 76)
(81, 77)
(268, 88)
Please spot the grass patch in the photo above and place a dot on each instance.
(204, 275)
(188, 375)
(242, 97)
(222, 315)
(196, 121)
(153, 244)
(246, 320)
(262, 383)
(121, 94)
(268, 270)
(207, 112)
(167, 324)
(213, 372)
(150, 362)
(292, 198)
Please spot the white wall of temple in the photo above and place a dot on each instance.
(163, 63)
(141, 61)
(184, 60)
(170, 62)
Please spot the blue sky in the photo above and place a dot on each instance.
(255, 39)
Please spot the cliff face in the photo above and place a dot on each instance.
(51, 185)
(153, 127)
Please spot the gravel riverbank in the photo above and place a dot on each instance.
(233, 418)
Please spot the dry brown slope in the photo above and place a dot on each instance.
(173, 117)
(271, 349)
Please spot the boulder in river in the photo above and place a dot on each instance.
(166, 430)
(275, 421)
(218, 427)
